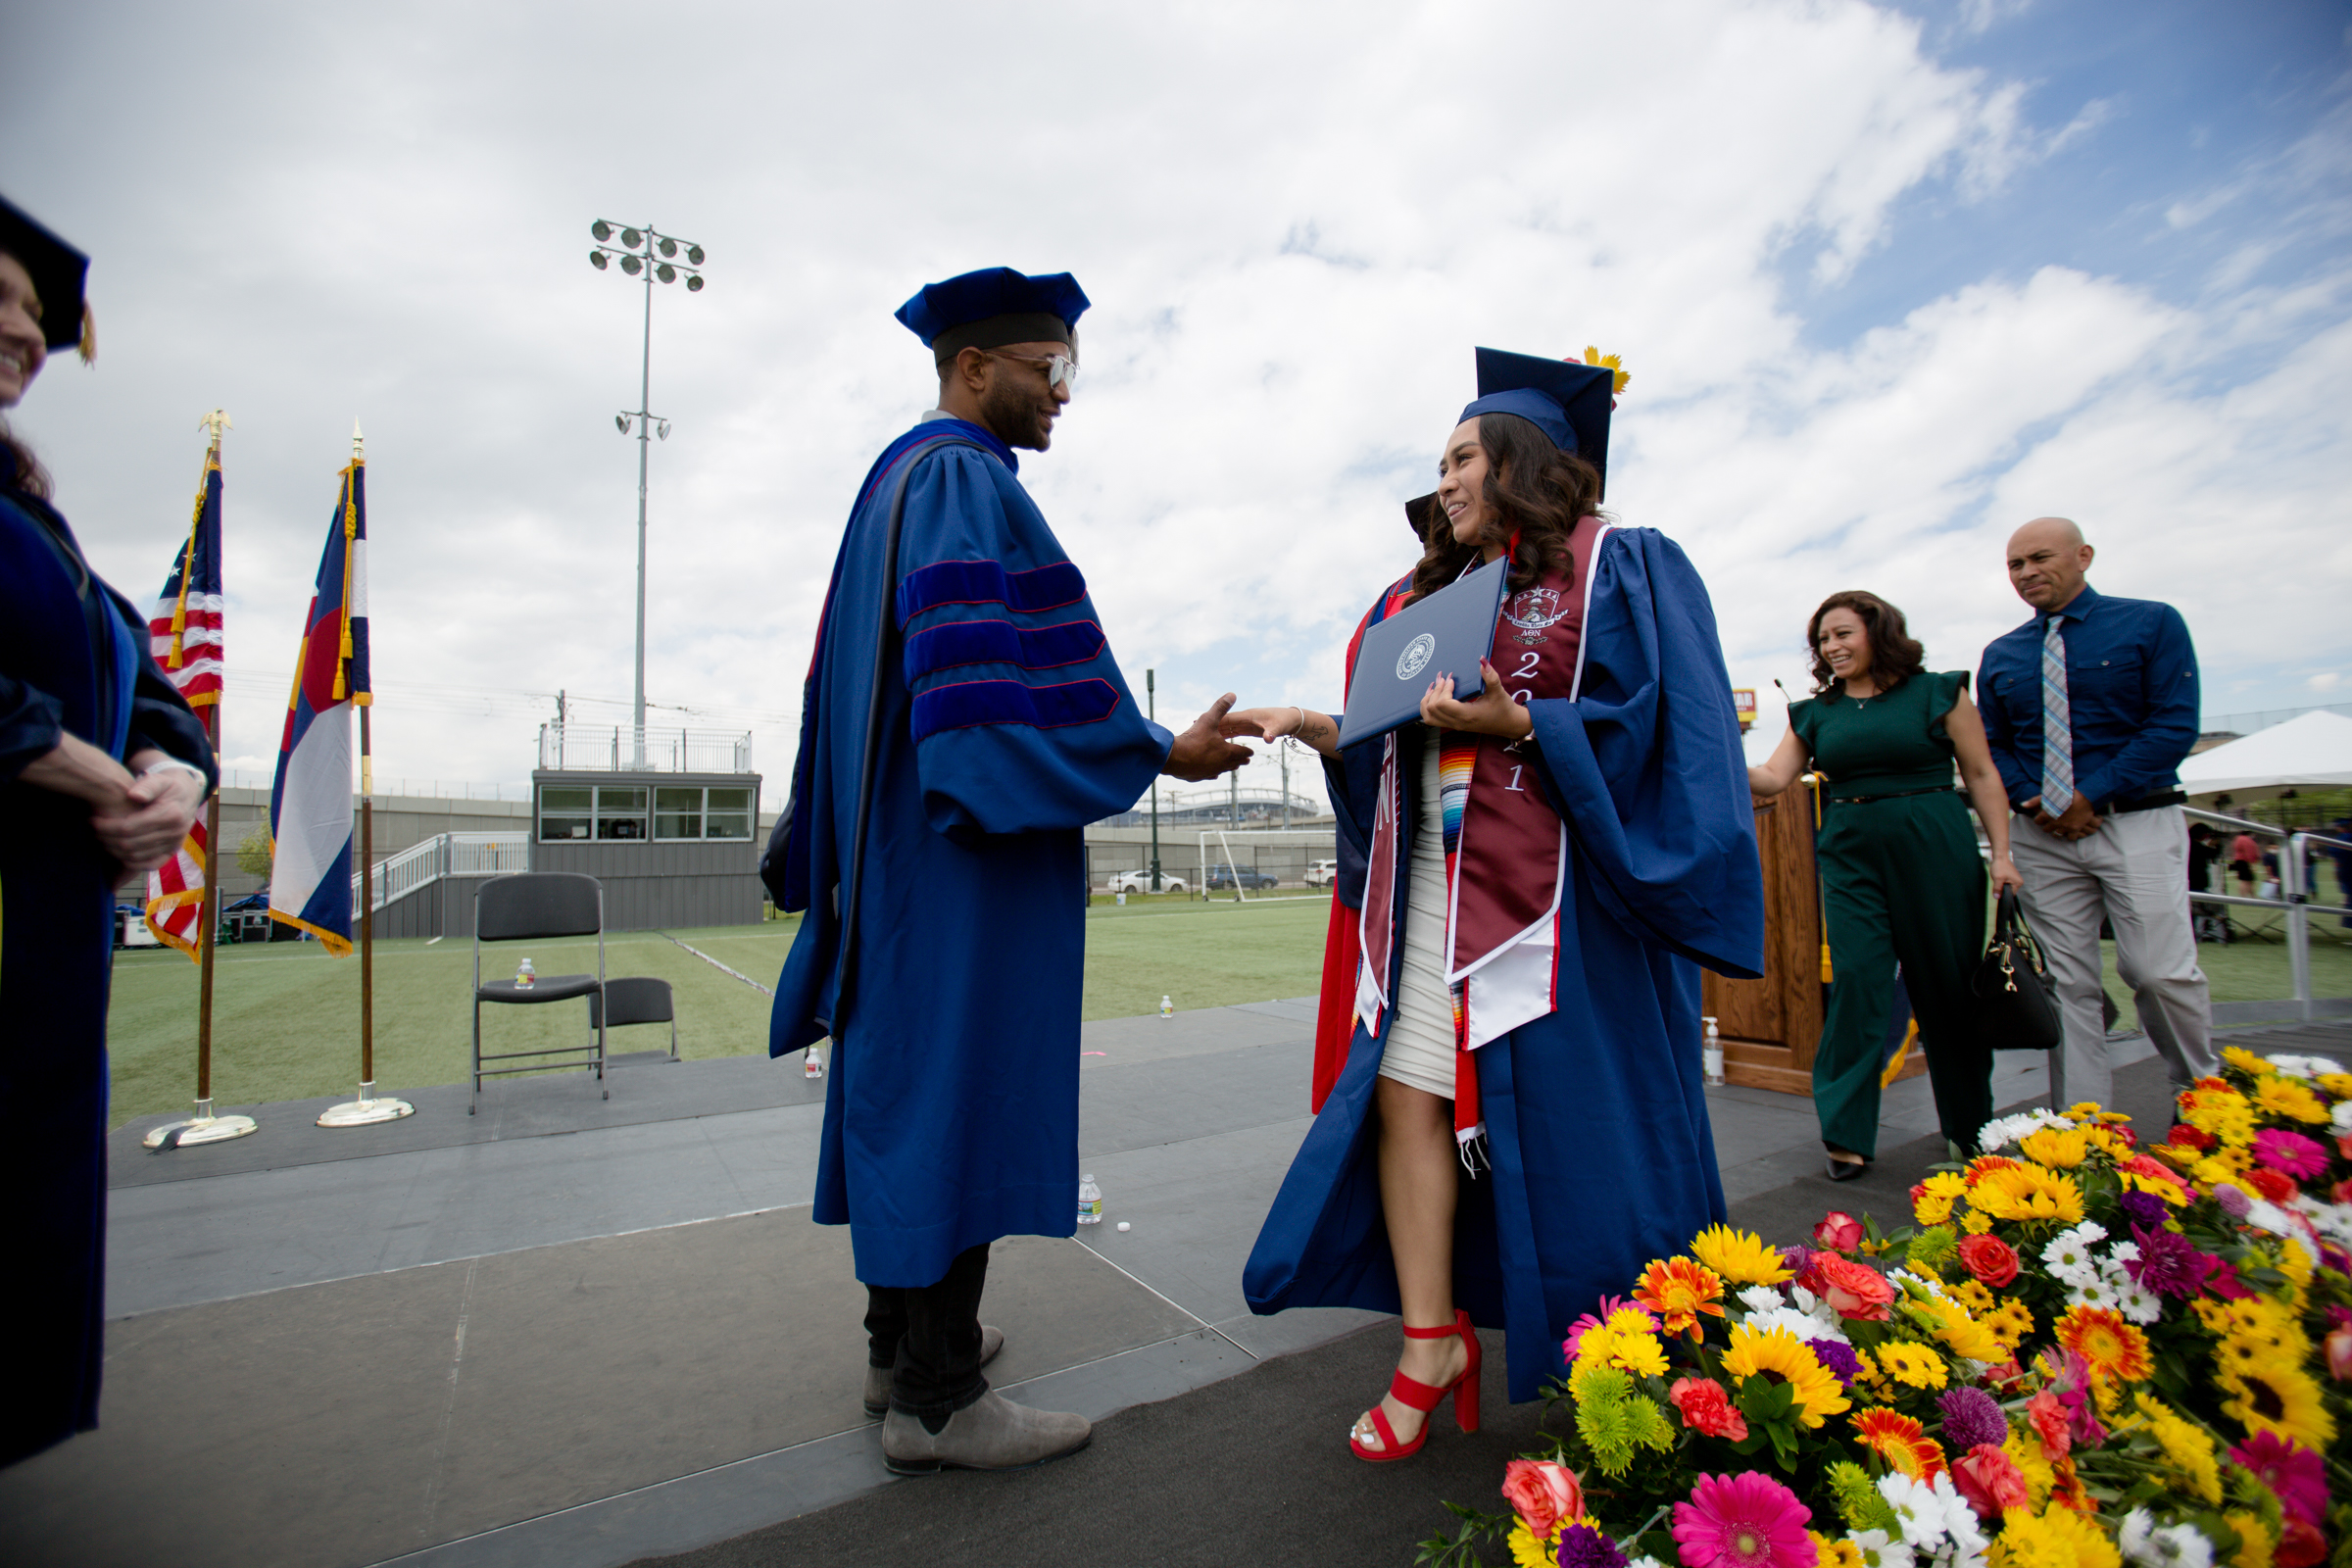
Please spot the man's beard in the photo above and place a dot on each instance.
(1013, 414)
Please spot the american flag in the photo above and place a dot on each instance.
(185, 632)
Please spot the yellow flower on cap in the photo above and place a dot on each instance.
(1615, 363)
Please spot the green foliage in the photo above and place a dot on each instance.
(253, 853)
(1617, 1423)
(1473, 1529)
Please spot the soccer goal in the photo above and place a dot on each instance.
(1254, 864)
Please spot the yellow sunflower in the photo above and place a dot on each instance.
(1914, 1364)
(1739, 1258)
(2254, 1543)
(2338, 1084)
(2245, 1060)
(2011, 1323)
(1933, 1202)
(2051, 1146)
(1973, 1295)
(1962, 1334)
(2059, 1536)
(2296, 1263)
(1976, 1222)
(2256, 1319)
(1780, 1356)
(2028, 1192)
(2170, 1191)
(2274, 1394)
(1839, 1553)
(2187, 1447)
(2222, 1112)
(2291, 1099)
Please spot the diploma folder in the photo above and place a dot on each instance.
(1446, 633)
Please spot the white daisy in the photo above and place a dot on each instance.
(1802, 1325)
(2306, 1067)
(2142, 1541)
(1761, 1299)
(1879, 1549)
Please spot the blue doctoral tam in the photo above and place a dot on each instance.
(994, 307)
(1567, 401)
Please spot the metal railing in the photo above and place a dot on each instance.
(2294, 906)
(443, 855)
(623, 748)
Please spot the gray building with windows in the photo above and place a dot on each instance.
(673, 838)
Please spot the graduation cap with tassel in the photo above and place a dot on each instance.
(59, 273)
(1568, 400)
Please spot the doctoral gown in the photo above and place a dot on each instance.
(1598, 1152)
(1003, 728)
(72, 659)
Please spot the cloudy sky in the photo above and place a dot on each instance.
(1890, 279)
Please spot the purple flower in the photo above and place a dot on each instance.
(1839, 1358)
(1797, 1260)
(1971, 1417)
(2234, 1200)
(2144, 1208)
(2169, 1263)
(1583, 1547)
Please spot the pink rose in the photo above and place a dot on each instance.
(1839, 1232)
(1543, 1494)
(1990, 1481)
(1853, 1290)
(2339, 1344)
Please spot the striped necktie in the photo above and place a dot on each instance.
(2057, 725)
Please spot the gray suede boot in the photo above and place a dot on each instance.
(992, 1433)
(877, 1378)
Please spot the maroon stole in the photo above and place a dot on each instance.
(1505, 846)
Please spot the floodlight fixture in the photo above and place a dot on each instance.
(637, 253)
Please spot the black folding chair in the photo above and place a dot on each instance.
(520, 908)
(634, 999)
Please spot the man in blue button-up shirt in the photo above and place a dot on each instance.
(2089, 708)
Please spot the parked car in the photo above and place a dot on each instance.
(1322, 873)
(1248, 876)
(1141, 882)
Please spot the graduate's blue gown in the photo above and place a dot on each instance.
(72, 659)
(1595, 1113)
(952, 1109)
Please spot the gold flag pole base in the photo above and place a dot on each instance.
(365, 1110)
(202, 1128)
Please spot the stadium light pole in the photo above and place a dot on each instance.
(655, 254)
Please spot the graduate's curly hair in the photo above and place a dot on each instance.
(1896, 656)
(1531, 488)
(31, 478)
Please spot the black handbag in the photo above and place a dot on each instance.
(2017, 1000)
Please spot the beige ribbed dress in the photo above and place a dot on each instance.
(1420, 1053)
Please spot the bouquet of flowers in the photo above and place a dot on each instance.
(2081, 1352)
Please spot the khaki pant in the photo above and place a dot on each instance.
(2134, 872)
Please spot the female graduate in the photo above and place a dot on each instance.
(102, 768)
(1511, 1119)
(1900, 875)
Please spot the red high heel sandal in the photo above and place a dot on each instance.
(1415, 1394)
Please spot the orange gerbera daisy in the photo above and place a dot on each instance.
(1899, 1440)
(2116, 1349)
(1679, 1290)
(1985, 1164)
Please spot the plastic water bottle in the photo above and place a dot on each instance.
(526, 976)
(1711, 1056)
(1090, 1201)
(1122, 900)
(812, 1065)
(1167, 1009)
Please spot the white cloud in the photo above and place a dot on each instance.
(1294, 233)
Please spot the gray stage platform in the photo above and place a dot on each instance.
(575, 1331)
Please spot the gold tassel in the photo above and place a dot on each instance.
(89, 334)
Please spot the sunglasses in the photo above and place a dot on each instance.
(1061, 371)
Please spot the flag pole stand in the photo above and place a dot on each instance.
(368, 1110)
(205, 1127)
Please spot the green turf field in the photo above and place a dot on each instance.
(285, 1016)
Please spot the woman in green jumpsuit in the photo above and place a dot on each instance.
(1900, 877)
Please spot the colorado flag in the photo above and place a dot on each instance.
(309, 802)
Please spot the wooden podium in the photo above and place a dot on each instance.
(1770, 1026)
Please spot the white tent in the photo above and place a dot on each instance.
(2311, 751)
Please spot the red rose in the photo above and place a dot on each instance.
(1990, 1481)
(1707, 1410)
(1543, 1494)
(2269, 1183)
(2300, 1544)
(1839, 1232)
(2125, 1136)
(1989, 1259)
(1851, 1289)
(2184, 1136)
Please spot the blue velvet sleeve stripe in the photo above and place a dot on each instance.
(1000, 642)
(984, 582)
(1010, 702)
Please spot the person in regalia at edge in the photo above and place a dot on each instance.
(1511, 1118)
(102, 769)
(951, 752)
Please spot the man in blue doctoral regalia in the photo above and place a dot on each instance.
(963, 719)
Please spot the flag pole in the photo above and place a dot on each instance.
(368, 1108)
(204, 1127)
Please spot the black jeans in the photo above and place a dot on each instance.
(929, 1335)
